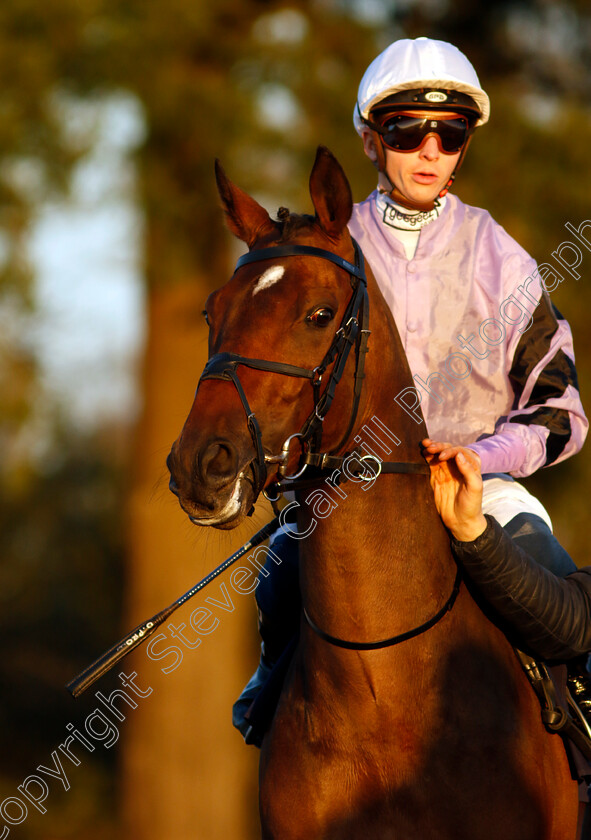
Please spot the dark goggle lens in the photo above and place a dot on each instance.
(405, 133)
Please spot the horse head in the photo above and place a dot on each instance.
(273, 330)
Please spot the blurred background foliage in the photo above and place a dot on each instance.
(257, 84)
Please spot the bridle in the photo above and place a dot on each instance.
(353, 332)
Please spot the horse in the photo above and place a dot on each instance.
(405, 712)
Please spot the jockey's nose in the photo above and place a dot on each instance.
(430, 150)
(218, 463)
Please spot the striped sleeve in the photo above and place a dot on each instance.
(547, 423)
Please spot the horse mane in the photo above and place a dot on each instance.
(291, 223)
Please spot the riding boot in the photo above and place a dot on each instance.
(269, 675)
(279, 604)
(248, 696)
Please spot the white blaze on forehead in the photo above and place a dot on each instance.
(271, 275)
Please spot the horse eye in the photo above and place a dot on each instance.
(204, 313)
(321, 317)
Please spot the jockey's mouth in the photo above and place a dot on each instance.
(424, 176)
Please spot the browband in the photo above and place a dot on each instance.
(279, 251)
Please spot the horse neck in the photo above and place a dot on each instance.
(377, 558)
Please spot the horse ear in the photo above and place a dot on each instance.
(245, 217)
(330, 192)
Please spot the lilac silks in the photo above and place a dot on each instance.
(493, 362)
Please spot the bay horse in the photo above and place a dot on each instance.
(405, 713)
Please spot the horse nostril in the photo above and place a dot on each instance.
(170, 466)
(219, 462)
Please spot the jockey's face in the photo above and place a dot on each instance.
(420, 175)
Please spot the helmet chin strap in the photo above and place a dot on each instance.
(399, 197)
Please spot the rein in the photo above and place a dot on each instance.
(393, 640)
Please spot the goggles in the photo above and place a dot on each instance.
(408, 132)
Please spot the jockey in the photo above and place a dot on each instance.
(491, 357)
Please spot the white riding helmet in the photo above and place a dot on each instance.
(430, 69)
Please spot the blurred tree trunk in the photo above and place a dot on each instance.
(187, 773)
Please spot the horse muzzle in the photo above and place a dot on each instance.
(211, 485)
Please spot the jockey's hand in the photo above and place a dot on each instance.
(457, 488)
(445, 451)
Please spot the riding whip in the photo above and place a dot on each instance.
(140, 633)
